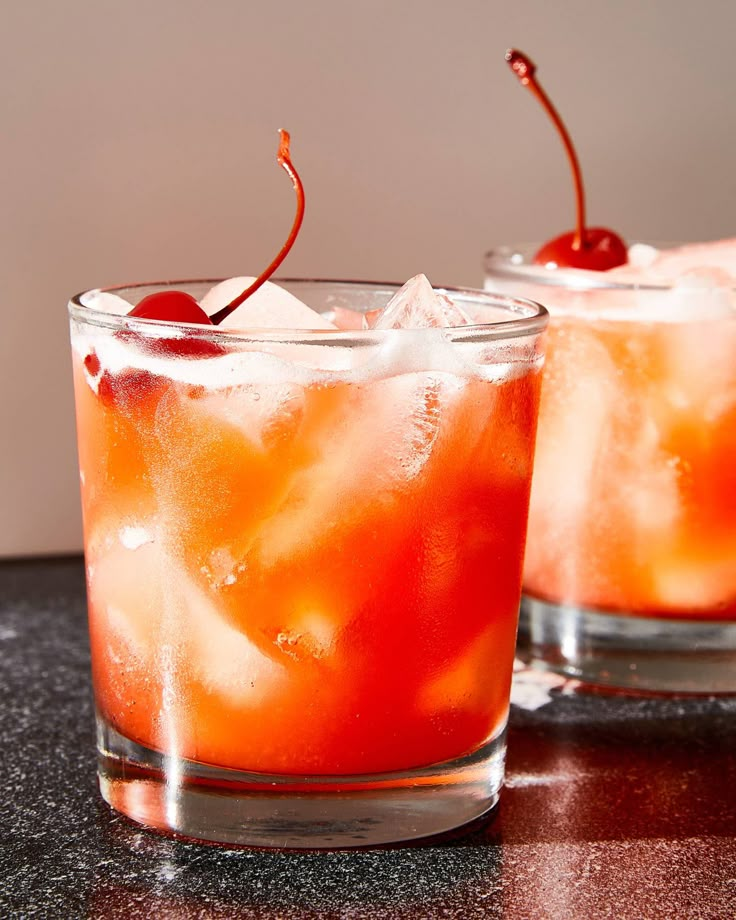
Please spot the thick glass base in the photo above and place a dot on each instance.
(253, 809)
(633, 653)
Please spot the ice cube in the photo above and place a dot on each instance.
(372, 439)
(642, 255)
(417, 306)
(127, 613)
(698, 370)
(353, 320)
(713, 262)
(226, 660)
(270, 307)
(105, 302)
(269, 414)
(144, 600)
(418, 432)
(701, 294)
(694, 584)
(581, 400)
(648, 494)
(673, 264)
(350, 320)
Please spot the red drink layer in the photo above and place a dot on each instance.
(304, 558)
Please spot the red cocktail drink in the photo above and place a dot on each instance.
(304, 555)
(630, 572)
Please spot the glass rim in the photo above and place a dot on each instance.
(528, 317)
(497, 262)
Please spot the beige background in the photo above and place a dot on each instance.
(139, 142)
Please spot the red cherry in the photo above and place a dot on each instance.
(600, 251)
(129, 387)
(180, 307)
(92, 364)
(188, 347)
(172, 307)
(591, 248)
(124, 388)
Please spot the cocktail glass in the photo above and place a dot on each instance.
(630, 570)
(304, 555)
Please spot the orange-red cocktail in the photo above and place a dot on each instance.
(304, 550)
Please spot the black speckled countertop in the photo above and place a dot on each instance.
(614, 808)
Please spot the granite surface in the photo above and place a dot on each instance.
(615, 807)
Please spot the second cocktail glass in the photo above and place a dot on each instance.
(630, 571)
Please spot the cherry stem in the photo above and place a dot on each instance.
(525, 70)
(283, 158)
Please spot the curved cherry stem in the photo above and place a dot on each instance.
(283, 158)
(525, 70)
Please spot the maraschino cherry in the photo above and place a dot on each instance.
(172, 306)
(592, 248)
(180, 307)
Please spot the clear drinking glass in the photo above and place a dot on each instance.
(304, 555)
(630, 570)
